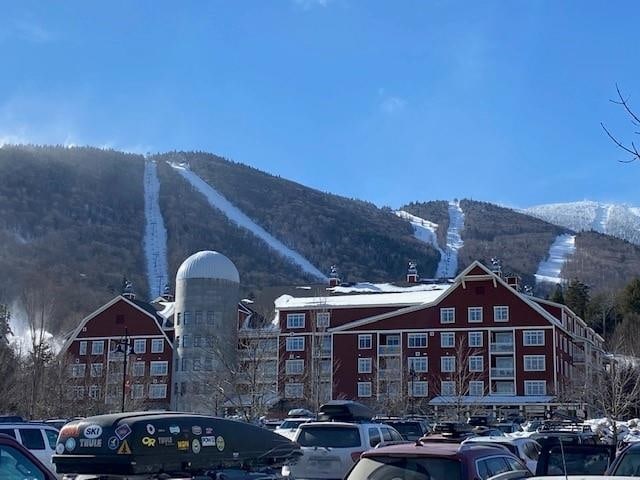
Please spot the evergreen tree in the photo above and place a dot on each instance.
(630, 300)
(557, 296)
(577, 297)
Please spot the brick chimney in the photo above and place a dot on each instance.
(412, 273)
(334, 278)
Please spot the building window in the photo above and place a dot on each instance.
(198, 341)
(293, 390)
(198, 318)
(474, 314)
(295, 344)
(535, 387)
(322, 319)
(186, 318)
(83, 348)
(157, 345)
(158, 390)
(97, 347)
(96, 369)
(447, 339)
(533, 338)
(137, 392)
(364, 365)
(448, 364)
(139, 345)
(78, 370)
(417, 340)
(476, 388)
(94, 392)
(295, 320)
(325, 344)
(137, 369)
(447, 315)
(159, 369)
(475, 339)
(419, 389)
(294, 367)
(447, 388)
(418, 364)
(77, 392)
(178, 318)
(187, 341)
(476, 364)
(325, 367)
(534, 363)
(210, 318)
(185, 364)
(501, 313)
(505, 388)
(364, 389)
(364, 342)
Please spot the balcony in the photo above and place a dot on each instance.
(388, 349)
(502, 372)
(389, 373)
(578, 357)
(501, 347)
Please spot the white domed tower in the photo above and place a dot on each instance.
(206, 332)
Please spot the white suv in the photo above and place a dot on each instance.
(39, 439)
(331, 448)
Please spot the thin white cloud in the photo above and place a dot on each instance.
(392, 104)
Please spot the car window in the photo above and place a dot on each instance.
(14, 465)
(514, 464)
(386, 434)
(491, 466)
(395, 436)
(374, 437)
(52, 437)
(32, 438)
(629, 465)
(531, 451)
(408, 429)
(425, 468)
(334, 437)
(8, 431)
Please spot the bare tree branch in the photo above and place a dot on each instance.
(635, 120)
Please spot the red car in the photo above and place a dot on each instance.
(436, 461)
(18, 463)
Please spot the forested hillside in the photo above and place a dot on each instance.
(71, 223)
(365, 242)
(436, 211)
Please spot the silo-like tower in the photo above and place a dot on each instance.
(206, 332)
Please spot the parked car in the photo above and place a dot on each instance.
(39, 439)
(525, 449)
(410, 429)
(437, 461)
(627, 462)
(575, 459)
(507, 427)
(479, 420)
(453, 428)
(568, 438)
(289, 426)
(18, 463)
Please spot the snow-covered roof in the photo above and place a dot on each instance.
(208, 264)
(409, 296)
(168, 309)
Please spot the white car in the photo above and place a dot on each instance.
(331, 448)
(289, 426)
(524, 448)
(39, 439)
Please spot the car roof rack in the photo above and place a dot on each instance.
(345, 411)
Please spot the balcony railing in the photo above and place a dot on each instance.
(388, 349)
(502, 347)
(579, 357)
(502, 372)
(387, 373)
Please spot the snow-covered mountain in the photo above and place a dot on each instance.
(622, 221)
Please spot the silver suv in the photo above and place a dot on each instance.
(331, 448)
(39, 439)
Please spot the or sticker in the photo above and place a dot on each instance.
(114, 443)
(220, 443)
(165, 441)
(183, 444)
(123, 431)
(208, 430)
(208, 441)
(60, 448)
(196, 430)
(91, 442)
(195, 446)
(174, 429)
(149, 442)
(124, 448)
(70, 444)
(93, 431)
(151, 429)
(69, 431)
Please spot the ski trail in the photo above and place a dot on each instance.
(603, 212)
(233, 213)
(549, 269)
(155, 233)
(423, 230)
(448, 265)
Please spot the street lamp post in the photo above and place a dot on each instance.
(125, 347)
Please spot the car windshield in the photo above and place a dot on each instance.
(576, 463)
(629, 465)
(291, 423)
(422, 468)
(407, 429)
(332, 437)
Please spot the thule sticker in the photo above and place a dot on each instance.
(70, 444)
(174, 429)
(93, 431)
(123, 431)
(208, 441)
(91, 442)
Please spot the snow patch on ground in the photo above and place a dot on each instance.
(423, 229)
(155, 233)
(233, 213)
(365, 287)
(448, 266)
(549, 269)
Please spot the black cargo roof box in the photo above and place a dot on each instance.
(345, 411)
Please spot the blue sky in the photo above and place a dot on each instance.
(384, 101)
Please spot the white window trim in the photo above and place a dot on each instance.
(289, 348)
(295, 316)
(364, 337)
(418, 336)
(529, 359)
(95, 366)
(496, 309)
(447, 360)
(528, 343)
(475, 309)
(95, 343)
(364, 385)
(444, 335)
(479, 334)
(158, 364)
(448, 383)
(157, 386)
(447, 310)
(82, 349)
(474, 358)
(365, 361)
(140, 341)
(424, 387)
(412, 360)
(477, 383)
(298, 388)
(157, 341)
(528, 384)
(288, 367)
(134, 371)
(323, 319)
